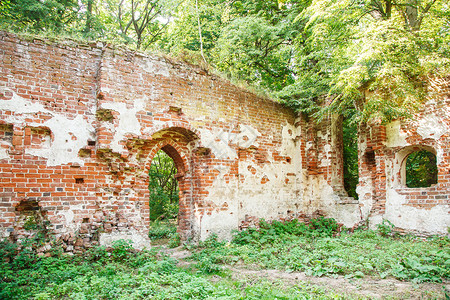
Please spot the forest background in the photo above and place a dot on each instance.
(367, 59)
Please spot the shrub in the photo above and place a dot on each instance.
(175, 240)
(269, 233)
(162, 229)
(121, 250)
(385, 228)
(323, 226)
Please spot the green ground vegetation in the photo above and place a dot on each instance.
(320, 248)
(120, 272)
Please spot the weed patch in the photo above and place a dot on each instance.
(316, 249)
(162, 229)
(122, 273)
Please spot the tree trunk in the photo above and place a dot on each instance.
(88, 25)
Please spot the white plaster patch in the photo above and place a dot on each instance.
(326, 161)
(4, 153)
(374, 221)
(69, 216)
(138, 240)
(439, 155)
(431, 126)
(364, 188)
(20, 105)
(347, 214)
(246, 137)
(395, 137)
(128, 122)
(221, 194)
(156, 68)
(220, 141)
(290, 135)
(248, 195)
(289, 146)
(221, 223)
(6, 231)
(434, 220)
(69, 136)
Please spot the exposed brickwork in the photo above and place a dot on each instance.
(383, 153)
(80, 125)
(128, 106)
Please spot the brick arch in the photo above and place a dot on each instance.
(177, 149)
(181, 127)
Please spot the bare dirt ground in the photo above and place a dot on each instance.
(364, 288)
(372, 288)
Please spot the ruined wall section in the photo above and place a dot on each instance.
(243, 160)
(47, 118)
(80, 125)
(323, 191)
(383, 152)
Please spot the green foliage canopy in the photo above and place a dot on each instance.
(48, 15)
(372, 55)
(372, 59)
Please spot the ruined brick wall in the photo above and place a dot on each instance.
(80, 125)
(323, 191)
(383, 151)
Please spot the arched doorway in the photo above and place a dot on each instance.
(169, 197)
(163, 195)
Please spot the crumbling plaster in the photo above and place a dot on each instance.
(240, 157)
(422, 210)
(68, 135)
(434, 220)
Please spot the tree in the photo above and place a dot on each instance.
(37, 16)
(372, 55)
(182, 36)
(256, 44)
(137, 22)
(256, 51)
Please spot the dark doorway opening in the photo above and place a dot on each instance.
(350, 156)
(164, 196)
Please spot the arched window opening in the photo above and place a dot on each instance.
(350, 157)
(421, 169)
(164, 196)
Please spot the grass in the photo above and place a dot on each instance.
(162, 229)
(317, 249)
(164, 232)
(121, 273)
(297, 247)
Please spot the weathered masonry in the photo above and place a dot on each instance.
(80, 124)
